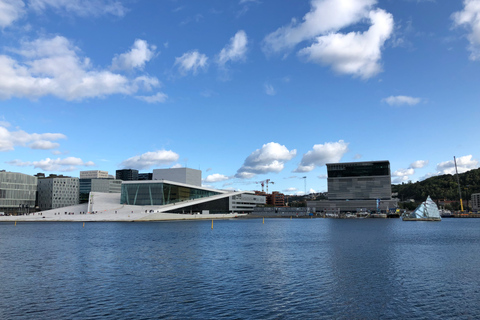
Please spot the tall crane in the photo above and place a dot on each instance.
(265, 183)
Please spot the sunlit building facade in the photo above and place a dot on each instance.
(17, 192)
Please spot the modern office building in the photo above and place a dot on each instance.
(181, 175)
(357, 186)
(359, 181)
(476, 201)
(17, 192)
(94, 174)
(98, 185)
(127, 174)
(57, 191)
(145, 176)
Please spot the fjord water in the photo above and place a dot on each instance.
(241, 269)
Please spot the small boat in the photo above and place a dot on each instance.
(426, 211)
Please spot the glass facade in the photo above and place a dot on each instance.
(159, 193)
(360, 169)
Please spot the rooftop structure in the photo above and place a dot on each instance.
(181, 175)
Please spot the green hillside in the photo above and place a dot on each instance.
(440, 187)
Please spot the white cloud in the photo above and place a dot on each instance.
(216, 177)
(160, 97)
(323, 176)
(52, 66)
(140, 53)
(10, 139)
(290, 190)
(149, 159)
(469, 17)
(270, 90)
(63, 165)
(324, 17)
(322, 154)
(419, 164)
(10, 10)
(356, 53)
(191, 61)
(400, 179)
(84, 8)
(403, 172)
(235, 50)
(464, 164)
(270, 158)
(401, 100)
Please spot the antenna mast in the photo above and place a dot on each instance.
(458, 182)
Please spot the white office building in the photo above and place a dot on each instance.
(94, 174)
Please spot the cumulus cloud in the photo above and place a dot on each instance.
(464, 164)
(356, 53)
(469, 17)
(216, 177)
(235, 50)
(419, 164)
(322, 154)
(191, 62)
(140, 53)
(10, 10)
(149, 159)
(270, 158)
(404, 172)
(400, 179)
(10, 139)
(53, 66)
(63, 165)
(401, 100)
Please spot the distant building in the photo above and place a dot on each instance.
(357, 186)
(57, 191)
(181, 175)
(17, 192)
(94, 174)
(276, 199)
(145, 176)
(127, 174)
(98, 185)
(476, 201)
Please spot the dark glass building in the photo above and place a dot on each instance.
(149, 193)
(370, 180)
(127, 174)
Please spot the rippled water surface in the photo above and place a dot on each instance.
(242, 269)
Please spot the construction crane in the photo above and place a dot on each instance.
(264, 183)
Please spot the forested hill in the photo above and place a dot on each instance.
(440, 187)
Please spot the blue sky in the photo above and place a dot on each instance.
(243, 90)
